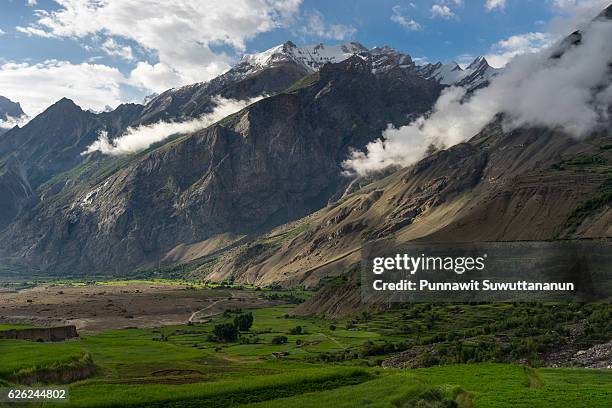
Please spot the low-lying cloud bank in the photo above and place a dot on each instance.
(139, 138)
(571, 93)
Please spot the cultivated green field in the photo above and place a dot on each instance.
(323, 362)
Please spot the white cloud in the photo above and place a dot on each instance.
(442, 11)
(340, 32)
(316, 26)
(445, 9)
(575, 13)
(503, 51)
(32, 3)
(112, 47)
(2, 32)
(404, 21)
(156, 77)
(495, 4)
(179, 35)
(448, 124)
(36, 86)
(572, 93)
(136, 139)
(33, 31)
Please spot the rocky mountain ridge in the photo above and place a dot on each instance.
(9, 109)
(11, 114)
(275, 161)
(313, 57)
(263, 189)
(474, 76)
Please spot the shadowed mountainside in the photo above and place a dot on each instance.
(274, 161)
(528, 184)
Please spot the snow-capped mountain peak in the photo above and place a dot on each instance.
(311, 57)
(449, 73)
(478, 62)
(473, 76)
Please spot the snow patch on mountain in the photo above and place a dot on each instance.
(11, 114)
(311, 57)
(473, 76)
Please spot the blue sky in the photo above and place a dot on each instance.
(472, 31)
(105, 53)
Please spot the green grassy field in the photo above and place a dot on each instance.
(479, 385)
(325, 362)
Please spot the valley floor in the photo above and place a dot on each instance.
(285, 360)
(120, 304)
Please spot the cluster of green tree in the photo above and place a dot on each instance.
(289, 297)
(229, 332)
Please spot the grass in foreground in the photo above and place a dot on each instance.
(181, 366)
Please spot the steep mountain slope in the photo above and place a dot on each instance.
(273, 70)
(50, 144)
(245, 80)
(530, 184)
(53, 141)
(275, 161)
(15, 190)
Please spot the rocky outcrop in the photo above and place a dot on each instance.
(598, 356)
(197, 99)
(9, 109)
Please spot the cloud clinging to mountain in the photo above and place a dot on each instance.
(572, 93)
(139, 138)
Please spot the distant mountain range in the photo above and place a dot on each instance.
(312, 58)
(260, 196)
(10, 114)
(273, 70)
(9, 109)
